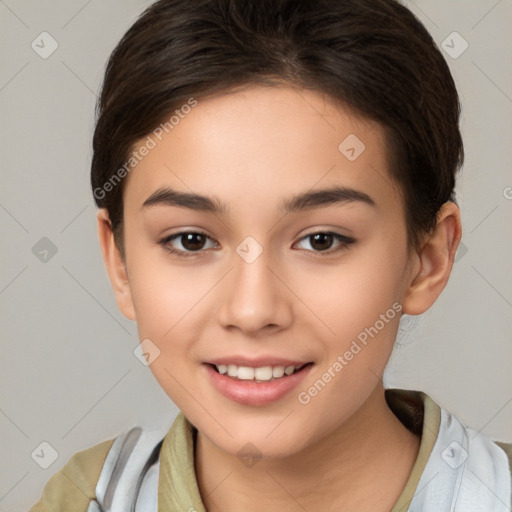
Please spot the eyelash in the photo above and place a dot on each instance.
(164, 242)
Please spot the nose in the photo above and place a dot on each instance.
(255, 297)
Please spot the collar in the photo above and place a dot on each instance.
(461, 479)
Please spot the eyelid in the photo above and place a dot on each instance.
(178, 252)
(343, 239)
(344, 242)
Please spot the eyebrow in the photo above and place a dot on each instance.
(304, 201)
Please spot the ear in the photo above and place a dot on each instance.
(432, 265)
(115, 265)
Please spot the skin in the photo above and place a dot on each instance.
(252, 148)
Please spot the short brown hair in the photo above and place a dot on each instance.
(375, 56)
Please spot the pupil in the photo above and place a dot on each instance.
(321, 240)
(190, 239)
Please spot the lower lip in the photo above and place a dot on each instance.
(249, 392)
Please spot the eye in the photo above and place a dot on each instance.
(190, 241)
(193, 242)
(322, 241)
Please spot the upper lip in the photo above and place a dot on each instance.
(256, 362)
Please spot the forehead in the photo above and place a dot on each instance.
(258, 146)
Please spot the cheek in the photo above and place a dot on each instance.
(172, 305)
(352, 296)
(360, 302)
(157, 305)
(171, 301)
(162, 293)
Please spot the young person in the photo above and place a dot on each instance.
(275, 182)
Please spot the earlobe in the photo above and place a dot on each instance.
(434, 262)
(115, 265)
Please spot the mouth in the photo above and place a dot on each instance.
(261, 384)
(267, 373)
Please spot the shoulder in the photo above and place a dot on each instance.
(469, 465)
(507, 448)
(454, 459)
(74, 485)
(107, 472)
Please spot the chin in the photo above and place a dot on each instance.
(272, 438)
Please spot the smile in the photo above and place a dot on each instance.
(258, 374)
(258, 385)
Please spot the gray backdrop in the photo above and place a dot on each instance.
(69, 377)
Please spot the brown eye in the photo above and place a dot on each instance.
(323, 241)
(192, 241)
(186, 243)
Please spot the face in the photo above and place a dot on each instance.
(252, 280)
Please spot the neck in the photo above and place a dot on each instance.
(372, 451)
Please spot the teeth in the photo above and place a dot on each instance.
(289, 370)
(245, 373)
(262, 373)
(277, 371)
